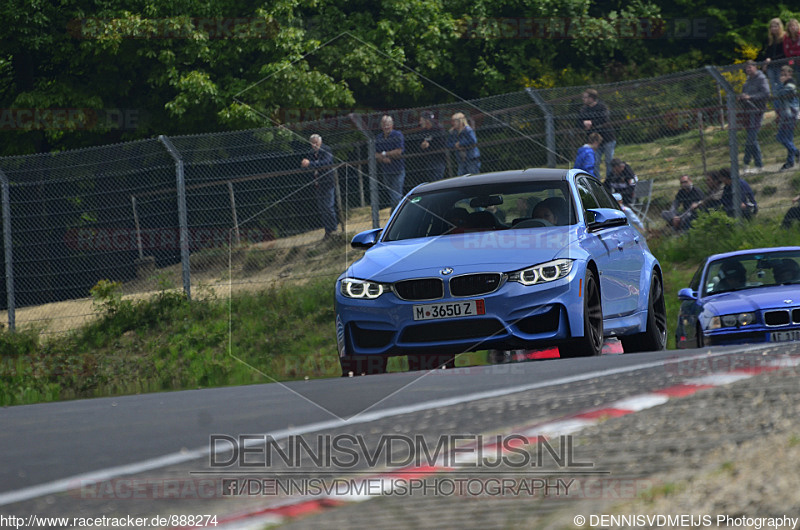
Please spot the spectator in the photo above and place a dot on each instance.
(632, 217)
(747, 200)
(320, 161)
(787, 105)
(684, 207)
(755, 93)
(463, 139)
(622, 180)
(389, 149)
(434, 146)
(793, 215)
(714, 189)
(773, 52)
(595, 117)
(791, 40)
(587, 155)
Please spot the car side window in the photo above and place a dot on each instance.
(604, 200)
(587, 198)
(694, 285)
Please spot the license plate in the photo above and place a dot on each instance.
(784, 336)
(467, 308)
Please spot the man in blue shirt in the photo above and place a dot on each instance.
(389, 149)
(587, 158)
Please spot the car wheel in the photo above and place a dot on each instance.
(591, 344)
(421, 361)
(654, 337)
(362, 365)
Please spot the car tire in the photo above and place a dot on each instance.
(654, 337)
(591, 344)
(700, 342)
(421, 361)
(353, 365)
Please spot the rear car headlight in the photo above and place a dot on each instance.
(544, 272)
(355, 288)
(733, 320)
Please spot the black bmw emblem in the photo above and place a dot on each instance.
(446, 271)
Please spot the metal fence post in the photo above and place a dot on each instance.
(549, 125)
(732, 140)
(182, 217)
(374, 196)
(9, 252)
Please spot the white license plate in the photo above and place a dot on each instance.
(784, 336)
(467, 308)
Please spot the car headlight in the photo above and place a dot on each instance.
(354, 288)
(544, 272)
(733, 320)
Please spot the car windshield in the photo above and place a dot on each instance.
(750, 271)
(500, 206)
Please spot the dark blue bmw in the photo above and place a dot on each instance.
(741, 297)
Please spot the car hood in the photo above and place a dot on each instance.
(757, 299)
(491, 251)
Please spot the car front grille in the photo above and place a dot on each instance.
(420, 289)
(452, 330)
(782, 317)
(475, 284)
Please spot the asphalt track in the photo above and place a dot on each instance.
(47, 447)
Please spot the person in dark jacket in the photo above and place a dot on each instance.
(753, 98)
(622, 180)
(433, 143)
(772, 53)
(594, 117)
(320, 162)
(684, 207)
(747, 199)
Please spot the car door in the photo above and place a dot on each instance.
(629, 260)
(607, 246)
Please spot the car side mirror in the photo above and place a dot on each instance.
(366, 239)
(606, 217)
(687, 294)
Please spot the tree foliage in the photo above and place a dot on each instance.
(78, 72)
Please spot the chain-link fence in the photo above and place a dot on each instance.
(238, 211)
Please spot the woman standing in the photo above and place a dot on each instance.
(772, 53)
(791, 42)
(462, 138)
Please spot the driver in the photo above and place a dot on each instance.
(552, 210)
(786, 271)
(732, 276)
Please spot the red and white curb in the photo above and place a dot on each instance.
(295, 507)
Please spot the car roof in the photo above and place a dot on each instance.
(519, 175)
(748, 252)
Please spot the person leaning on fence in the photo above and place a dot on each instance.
(747, 199)
(622, 180)
(594, 117)
(433, 143)
(389, 149)
(586, 158)
(772, 52)
(753, 98)
(684, 207)
(463, 139)
(320, 161)
(793, 215)
(788, 107)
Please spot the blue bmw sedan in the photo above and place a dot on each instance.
(523, 259)
(741, 297)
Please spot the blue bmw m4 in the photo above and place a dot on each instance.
(524, 259)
